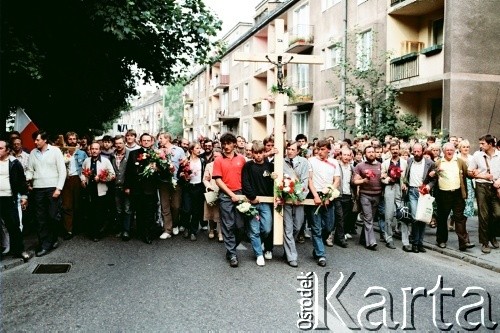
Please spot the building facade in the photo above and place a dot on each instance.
(443, 59)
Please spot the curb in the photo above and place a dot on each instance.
(11, 263)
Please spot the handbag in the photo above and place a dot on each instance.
(211, 197)
(424, 208)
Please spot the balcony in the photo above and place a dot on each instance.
(188, 100)
(221, 82)
(414, 7)
(302, 93)
(188, 122)
(301, 38)
(414, 71)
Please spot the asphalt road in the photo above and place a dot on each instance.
(176, 285)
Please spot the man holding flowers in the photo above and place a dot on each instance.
(393, 170)
(296, 168)
(323, 186)
(257, 181)
(96, 173)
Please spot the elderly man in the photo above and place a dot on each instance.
(451, 192)
(485, 163)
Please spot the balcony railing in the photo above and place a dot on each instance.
(221, 81)
(302, 93)
(405, 67)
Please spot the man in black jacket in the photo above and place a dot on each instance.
(12, 183)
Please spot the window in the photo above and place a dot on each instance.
(328, 115)
(333, 56)
(299, 123)
(437, 32)
(246, 93)
(364, 50)
(235, 94)
(301, 79)
(301, 19)
(224, 102)
(325, 4)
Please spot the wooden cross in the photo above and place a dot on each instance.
(279, 58)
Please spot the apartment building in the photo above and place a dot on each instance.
(145, 116)
(443, 60)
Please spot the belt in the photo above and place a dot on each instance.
(487, 184)
(457, 189)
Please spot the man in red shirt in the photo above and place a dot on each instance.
(227, 174)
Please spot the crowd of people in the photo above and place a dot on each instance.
(155, 187)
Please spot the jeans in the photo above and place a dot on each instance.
(418, 227)
(260, 227)
(322, 225)
(123, 212)
(231, 223)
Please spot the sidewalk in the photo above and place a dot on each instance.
(474, 256)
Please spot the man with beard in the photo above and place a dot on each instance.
(208, 153)
(416, 175)
(393, 170)
(185, 146)
(46, 173)
(367, 176)
(71, 196)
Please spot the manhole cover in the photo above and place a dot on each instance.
(52, 268)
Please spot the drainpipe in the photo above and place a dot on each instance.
(343, 73)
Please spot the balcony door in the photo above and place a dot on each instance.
(301, 79)
(301, 21)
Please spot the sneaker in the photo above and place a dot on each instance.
(221, 239)
(181, 229)
(322, 262)
(233, 262)
(347, 236)
(485, 249)
(293, 263)
(329, 241)
(165, 235)
(193, 237)
(211, 234)
(260, 261)
(175, 231)
(268, 255)
(307, 234)
(469, 245)
(205, 228)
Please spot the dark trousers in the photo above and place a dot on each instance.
(348, 216)
(10, 216)
(97, 214)
(339, 220)
(123, 211)
(70, 197)
(192, 206)
(146, 207)
(47, 209)
(488, 207)
(447, 201)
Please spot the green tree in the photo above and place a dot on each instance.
(70, 64)
(366, 89)
(174, 110)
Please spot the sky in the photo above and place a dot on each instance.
(232, 11)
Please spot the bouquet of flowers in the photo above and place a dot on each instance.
(327, 193)
(87, 172)
(67, 157)
(423, 189)
(303, 150)
(247, 209)
(104, 176)
(440, 172)
(394, 172)
(185, 170)
(153, 162)
(288, 189)
(369, 173)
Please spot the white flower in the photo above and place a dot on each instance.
(286, 189)
(244, 207)
(286, 175)
(335, 194)
(136, 163)
(304, 146)
(286, 182)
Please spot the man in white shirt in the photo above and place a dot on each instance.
(46, 173)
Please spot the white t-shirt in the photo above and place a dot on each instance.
(324, 172)
(196, 175)
(5, 190)
(417, 173)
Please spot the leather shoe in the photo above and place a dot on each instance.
(469, 245)
(390, 245)
(293, 263)
(414, 248)
(233, 262)
(494, 243)
(25, 256)
(422, 249)
(42, 252)
(55, 245)
(406, 248)
(125, 236)
(442, 245)
(372, 247)
(342, 243)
